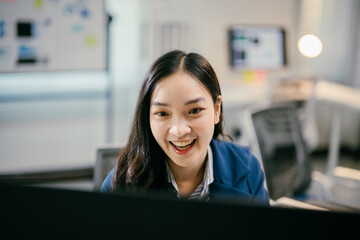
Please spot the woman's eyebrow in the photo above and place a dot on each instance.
(156, 103)
(196, 100)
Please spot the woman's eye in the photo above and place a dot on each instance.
(161, 114)
(195, 110)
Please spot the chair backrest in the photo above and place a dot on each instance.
(106, 158)
(275, 137)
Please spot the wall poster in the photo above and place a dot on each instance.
(52, 35)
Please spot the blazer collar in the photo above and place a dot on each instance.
(228, 163)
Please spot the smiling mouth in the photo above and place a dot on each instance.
(183, 147)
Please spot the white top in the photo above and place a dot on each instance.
(203, 190)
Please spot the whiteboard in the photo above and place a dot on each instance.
(52, 35)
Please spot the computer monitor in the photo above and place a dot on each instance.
(257, 47)
(36, 212)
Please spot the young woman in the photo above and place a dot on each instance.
(174, 143)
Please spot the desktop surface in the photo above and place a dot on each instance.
(56, 213)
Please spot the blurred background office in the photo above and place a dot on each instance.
(71, 69)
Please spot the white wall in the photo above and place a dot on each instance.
(51, 120)
(208, 21)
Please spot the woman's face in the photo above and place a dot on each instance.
(182, 119)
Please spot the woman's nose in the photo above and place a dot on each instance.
(179, 128)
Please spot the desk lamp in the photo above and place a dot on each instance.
(310, 46)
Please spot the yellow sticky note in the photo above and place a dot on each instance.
(248, 76)
(38, 4)
(91, 40)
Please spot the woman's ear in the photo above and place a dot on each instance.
(217, 109)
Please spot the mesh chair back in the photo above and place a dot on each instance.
(281, 148)
(105, 160)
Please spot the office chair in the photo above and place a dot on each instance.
(276, 139)
(106, 158)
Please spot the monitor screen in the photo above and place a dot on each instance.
(33, 212)
(257, 47)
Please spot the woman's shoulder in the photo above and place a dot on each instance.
(232, 154)
(229, 147)
(236, 167)
(106, 185)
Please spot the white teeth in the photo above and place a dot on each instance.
(182, 144)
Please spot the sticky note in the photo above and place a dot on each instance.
(91, 40)
(38, 4)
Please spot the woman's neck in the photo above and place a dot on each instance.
(188, 178)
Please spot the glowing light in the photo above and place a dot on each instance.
(310, 46)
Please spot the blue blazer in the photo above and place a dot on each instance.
(237, 173)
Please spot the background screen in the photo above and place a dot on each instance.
(257, 47)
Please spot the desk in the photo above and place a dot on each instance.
(237, 97)
(240, 95)
(338, 96)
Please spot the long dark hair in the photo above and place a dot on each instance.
(141, 163)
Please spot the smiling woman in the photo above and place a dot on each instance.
(174, 143)
(185, 127)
